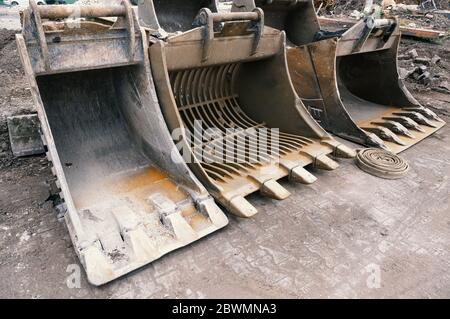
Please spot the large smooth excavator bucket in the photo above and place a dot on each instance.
(232, 78)
(130, 199)
(349, 80)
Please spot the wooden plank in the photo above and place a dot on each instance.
(421, 33)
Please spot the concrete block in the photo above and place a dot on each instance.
(24, 135)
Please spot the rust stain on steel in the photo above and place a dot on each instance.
(138, 180)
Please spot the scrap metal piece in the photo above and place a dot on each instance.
(130, 198)
(385, 134)
(24, 135)
(382, 163)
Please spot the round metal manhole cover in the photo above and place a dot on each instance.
(382, 163)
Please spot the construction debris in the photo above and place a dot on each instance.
(436, 59)
(424, 68)
(24, 135)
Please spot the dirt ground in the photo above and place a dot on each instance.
(367, 238)
(347, 6)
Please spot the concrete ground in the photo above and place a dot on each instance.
(348, 235)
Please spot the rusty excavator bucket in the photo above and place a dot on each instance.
(130, 197)
(349, 80)
(223, 85)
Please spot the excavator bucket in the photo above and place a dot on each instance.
(349, 80)
(224, 86)
(130, 197)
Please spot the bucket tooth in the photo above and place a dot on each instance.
(395, 127)
(181, 228)
(141, 244)
(209, 208)
(274, 190)
(228, 93)
(301, 175)
(125, 218)
(297, 173)
(134, 235)
(374, 140)
(163, 204)
(417, 117)
(343, 151)
(385, 134)
(337, 74)
(171, 216)
(406, 122)
(325, 163)
(425, 112)
(241, 207)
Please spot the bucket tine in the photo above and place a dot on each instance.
(130, 198)
(349, 79)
